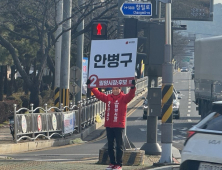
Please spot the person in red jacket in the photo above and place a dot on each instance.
(115, 119)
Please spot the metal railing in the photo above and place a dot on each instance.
(53, 121)
(32, 125)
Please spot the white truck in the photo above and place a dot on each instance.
(208, 73)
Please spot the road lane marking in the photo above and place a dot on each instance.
(143, 129)
(183, 132)
(189, 120)
(176, 141)
(189, 110)
(139, 119)
(188, 115)
(181, 136)
(135, 108)
(189, 102)
(189, 107)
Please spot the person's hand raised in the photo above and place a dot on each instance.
(133, 84)
(88, 82)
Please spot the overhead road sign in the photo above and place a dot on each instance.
(194, 10)
(136, 9)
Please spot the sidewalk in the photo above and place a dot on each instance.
(84, 165)
(8, 146)
(5, 135)
(88, 164)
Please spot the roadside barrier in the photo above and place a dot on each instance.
(54, 121)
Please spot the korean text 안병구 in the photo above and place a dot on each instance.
(112, 60)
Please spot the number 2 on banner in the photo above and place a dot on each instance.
(93, 79)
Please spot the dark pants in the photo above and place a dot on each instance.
(115, 134)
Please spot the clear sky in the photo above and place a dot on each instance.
(217, 1)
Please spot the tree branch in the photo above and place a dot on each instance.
(13, 52)
(21, 35)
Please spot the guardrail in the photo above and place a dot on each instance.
(56, 121)
(32, 125)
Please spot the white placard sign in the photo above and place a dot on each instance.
(112, 62)
(54, 122)
(24, 124)
(39, 121)
(68, 122)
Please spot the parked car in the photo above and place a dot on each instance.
(184, 69)
(192, 74)
(176, 93)
(176, 105)
(202, 148)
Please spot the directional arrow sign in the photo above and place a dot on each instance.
(136, 9)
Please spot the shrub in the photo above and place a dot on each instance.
(47, 97)
(6, 107)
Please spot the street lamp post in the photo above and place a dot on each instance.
(167, 93)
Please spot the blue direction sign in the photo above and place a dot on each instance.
(136, 9)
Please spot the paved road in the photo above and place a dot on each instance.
(189, 115)
(136, 130)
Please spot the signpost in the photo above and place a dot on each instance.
(136, 9)
(112, 63)
(84, 74)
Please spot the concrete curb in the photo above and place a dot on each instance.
(32, 145)
(172, 167)
(92, 128)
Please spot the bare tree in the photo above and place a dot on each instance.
(28, 28)
(179, 43)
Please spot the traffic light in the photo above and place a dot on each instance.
(131, 30)
(99, 30)
(150, 46)
(155, 51)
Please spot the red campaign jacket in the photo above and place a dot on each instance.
(116, 105)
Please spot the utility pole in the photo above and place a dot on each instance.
(80, 48)
(120, 29)
(151, 146)
(88, 93)
(167, 92)
(159, 9)
(58, 51)
(65, 59)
